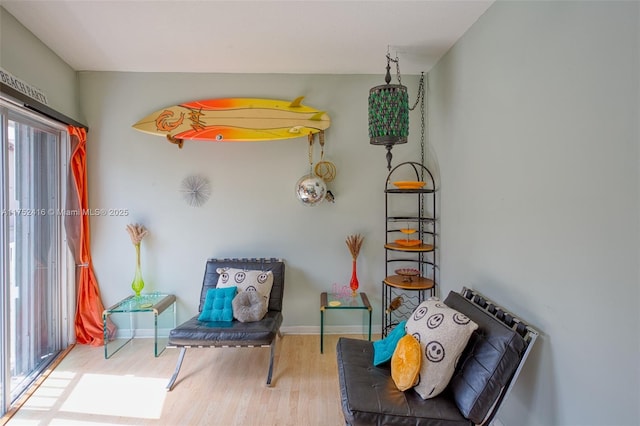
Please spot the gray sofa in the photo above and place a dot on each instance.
(485, 373)
(220, 334)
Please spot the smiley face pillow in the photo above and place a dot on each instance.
(443, 334)
(246, 280)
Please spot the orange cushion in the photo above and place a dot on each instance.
(405, 363)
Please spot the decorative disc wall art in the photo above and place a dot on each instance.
(195, 190)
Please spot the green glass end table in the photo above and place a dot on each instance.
(329, 301)
(162, 306)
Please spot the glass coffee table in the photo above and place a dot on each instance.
(329, 301)
(156, 303)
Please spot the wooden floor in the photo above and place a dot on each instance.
(224, 386)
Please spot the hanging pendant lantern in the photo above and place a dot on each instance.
(389, 113)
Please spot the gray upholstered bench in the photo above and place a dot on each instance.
(484, 375)
(263, 333)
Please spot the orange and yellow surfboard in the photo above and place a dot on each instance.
(235, 120)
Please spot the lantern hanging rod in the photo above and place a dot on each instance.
(387, 77)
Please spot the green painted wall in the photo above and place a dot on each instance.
(534, 116)
(26, 57)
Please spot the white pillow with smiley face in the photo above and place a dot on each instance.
(443, 334)
(246, 280)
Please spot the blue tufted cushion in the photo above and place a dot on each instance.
(383, 349)
(218, 304)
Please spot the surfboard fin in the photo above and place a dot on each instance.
(296, 102)
(317, 116)
(176, 141)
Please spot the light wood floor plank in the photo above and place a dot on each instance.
(223, 386)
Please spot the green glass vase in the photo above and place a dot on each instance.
(138, 283)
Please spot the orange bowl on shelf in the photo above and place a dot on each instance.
(408, 230)
(409, 243)
(408, 184)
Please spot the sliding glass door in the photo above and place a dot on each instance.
(33, 259)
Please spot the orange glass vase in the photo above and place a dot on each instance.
(354, 279)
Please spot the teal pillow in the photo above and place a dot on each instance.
(217, 304)
(383, 349)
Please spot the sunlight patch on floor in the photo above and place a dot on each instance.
(47, 394)
(67, 422)
(125, 396)
(62, 422)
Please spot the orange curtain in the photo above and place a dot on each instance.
(88, 322)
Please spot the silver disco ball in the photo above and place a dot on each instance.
(310, 190)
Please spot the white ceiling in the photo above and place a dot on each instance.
(264, 36)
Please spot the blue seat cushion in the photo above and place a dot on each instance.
(218, 304)
(383, 349)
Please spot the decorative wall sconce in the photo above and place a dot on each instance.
(389, 112)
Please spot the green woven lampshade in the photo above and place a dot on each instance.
(388, 114)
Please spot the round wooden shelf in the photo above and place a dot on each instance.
(418, 248)
(417, 283)
(409, 191)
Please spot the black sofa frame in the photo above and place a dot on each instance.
(263, 333)
(485, 374)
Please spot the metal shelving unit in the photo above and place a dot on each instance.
(402, 216)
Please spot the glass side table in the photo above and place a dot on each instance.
(330, 301)
(156, 303)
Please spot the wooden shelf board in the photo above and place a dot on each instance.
(417, 283)
(398, 247)
(409, 191)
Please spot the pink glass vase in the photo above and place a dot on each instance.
(354, 279)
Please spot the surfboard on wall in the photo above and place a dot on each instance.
(235, 120)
